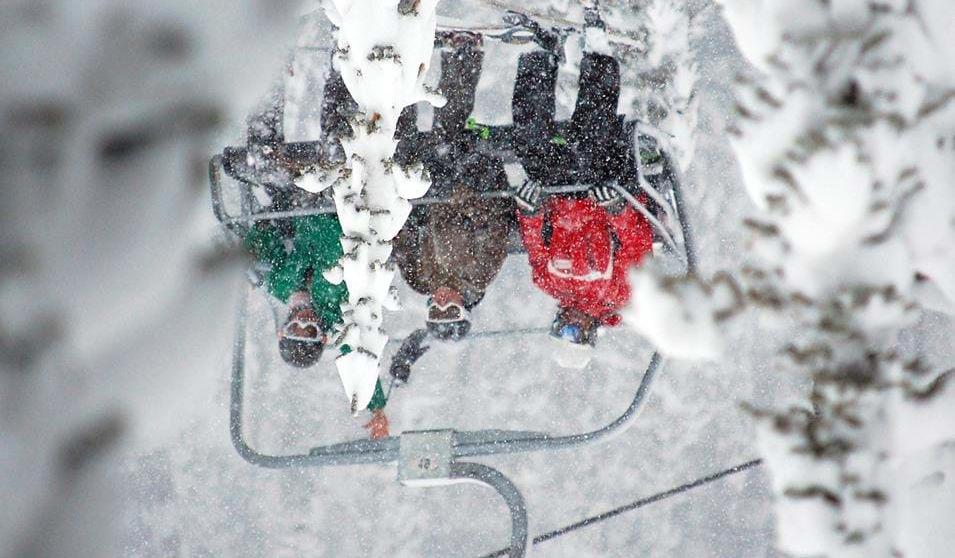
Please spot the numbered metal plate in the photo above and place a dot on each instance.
(425, 457)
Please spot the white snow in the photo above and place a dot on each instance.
(681, 318)
(843, 141)
(670, 56)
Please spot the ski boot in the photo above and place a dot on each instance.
(551, 40)
(457, 39)
(595, 30)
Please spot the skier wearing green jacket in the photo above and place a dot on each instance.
(297, 258)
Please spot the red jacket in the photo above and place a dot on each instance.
(584, 261)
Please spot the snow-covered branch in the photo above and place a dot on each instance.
(668, 102)
(682, 316)
(383, 54)
(844, 139)
(661, 78)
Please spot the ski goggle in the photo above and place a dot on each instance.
(447, 313)
(294, 326)
(289, 333)
(448, 321)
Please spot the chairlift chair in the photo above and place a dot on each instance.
(425, 457)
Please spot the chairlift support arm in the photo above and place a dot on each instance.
(493, 478)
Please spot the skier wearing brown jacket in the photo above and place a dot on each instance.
(451, 252)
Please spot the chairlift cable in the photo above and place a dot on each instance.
(637, 504)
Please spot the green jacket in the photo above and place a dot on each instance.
(314, 248)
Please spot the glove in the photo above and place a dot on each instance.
(604, 196)
(378, 425)
(410, 351)
(528, 196)
(400, 371)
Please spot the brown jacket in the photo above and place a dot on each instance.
(460, 245)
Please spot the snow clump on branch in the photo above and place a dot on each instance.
(682, 316)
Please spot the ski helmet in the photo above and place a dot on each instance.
(299, 352)
(302, 347)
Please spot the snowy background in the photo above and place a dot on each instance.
(134, 362)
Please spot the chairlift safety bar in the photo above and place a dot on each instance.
(234, 223)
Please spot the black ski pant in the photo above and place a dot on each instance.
(444, 149)
(592, 147)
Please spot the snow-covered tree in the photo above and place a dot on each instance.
(383, 54)
(845, 141)
(111, 294)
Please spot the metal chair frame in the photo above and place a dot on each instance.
(463, 444)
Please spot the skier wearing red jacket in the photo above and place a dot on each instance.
(580, 251)
(579, 247)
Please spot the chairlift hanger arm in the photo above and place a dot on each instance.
(493, 478)
(466, 448)
(218, 208)
(464, 444)
(689, 243)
